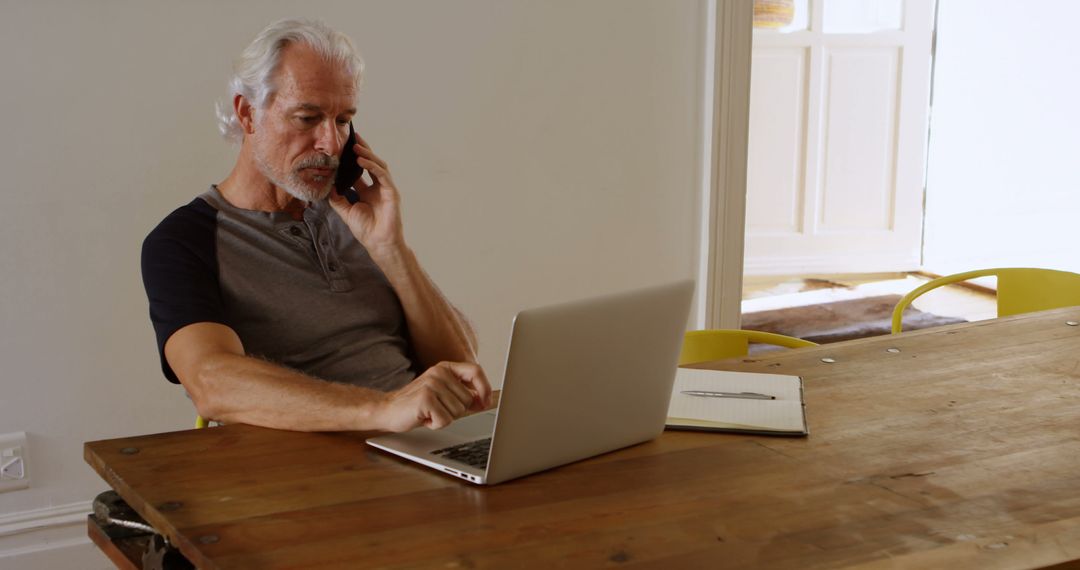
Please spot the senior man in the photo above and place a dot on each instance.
(276, 301)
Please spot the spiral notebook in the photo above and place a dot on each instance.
(783, 414)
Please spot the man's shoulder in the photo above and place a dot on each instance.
(190, 227)
(195, 217)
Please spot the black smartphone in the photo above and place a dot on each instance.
(348, 171)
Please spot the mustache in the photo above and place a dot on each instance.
(318, 161)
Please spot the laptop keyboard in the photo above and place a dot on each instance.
(474, 453)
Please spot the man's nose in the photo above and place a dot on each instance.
(328, 140)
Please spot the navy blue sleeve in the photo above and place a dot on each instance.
(180, 273)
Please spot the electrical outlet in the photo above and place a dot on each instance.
(14, 474)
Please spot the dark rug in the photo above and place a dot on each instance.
(841, 320)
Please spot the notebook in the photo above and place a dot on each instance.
(784, 415)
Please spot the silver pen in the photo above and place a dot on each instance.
(743, 395)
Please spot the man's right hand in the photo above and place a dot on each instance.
(227, 385)
(442, 394)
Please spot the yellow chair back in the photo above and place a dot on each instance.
(718, 344)
(1020, 290)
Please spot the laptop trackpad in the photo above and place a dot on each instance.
(421, 441)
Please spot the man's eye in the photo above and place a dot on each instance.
(309, 119)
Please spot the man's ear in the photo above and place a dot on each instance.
(245, 113)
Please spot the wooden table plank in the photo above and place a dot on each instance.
(960, 449)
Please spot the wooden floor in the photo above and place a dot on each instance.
(766, 293)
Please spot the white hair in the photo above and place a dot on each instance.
(255, 70)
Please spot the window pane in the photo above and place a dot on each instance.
(781, 15)
(862, 16)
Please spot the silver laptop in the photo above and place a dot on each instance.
(582, 378)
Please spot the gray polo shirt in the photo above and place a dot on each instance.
(303, 294)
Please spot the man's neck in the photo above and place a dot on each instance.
(247, 188)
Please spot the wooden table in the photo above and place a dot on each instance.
(952, 447)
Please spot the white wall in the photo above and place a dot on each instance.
(544, 150)
(1003, 187)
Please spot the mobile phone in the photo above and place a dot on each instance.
(348, 171)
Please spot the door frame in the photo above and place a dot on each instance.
(725, 134)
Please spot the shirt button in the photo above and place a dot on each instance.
(295, 230)
(332, 267)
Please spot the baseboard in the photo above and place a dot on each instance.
(52, 537)
(80, 553)
(40, 519)
(828, 265)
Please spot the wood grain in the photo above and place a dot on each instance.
(962, 449)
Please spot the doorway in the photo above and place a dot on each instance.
(839, 119)
(839, 103)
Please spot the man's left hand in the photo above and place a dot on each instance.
(375, 220)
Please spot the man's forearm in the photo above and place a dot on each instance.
(226, 385)
(241, 389)
(437, 330)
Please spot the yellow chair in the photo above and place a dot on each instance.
(200, 422)
(718, 344)
(1019, 290)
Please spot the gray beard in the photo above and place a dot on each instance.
(294, 185)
